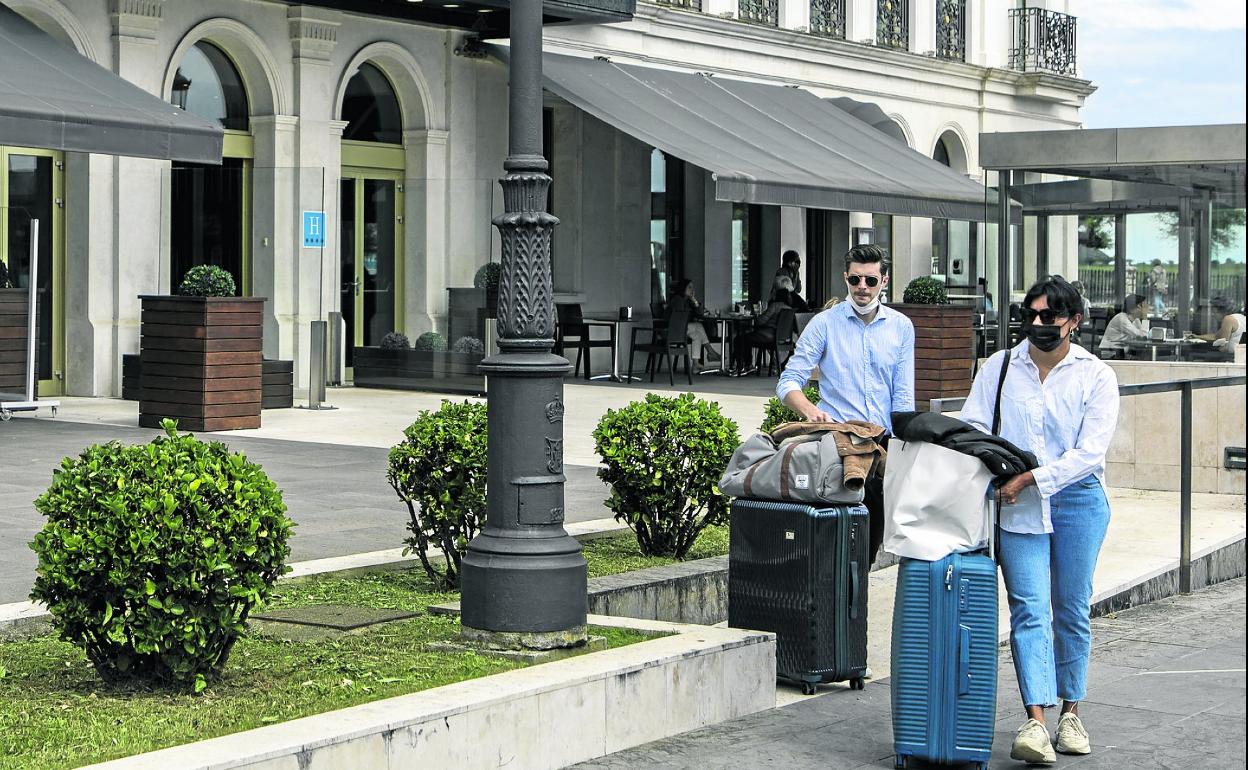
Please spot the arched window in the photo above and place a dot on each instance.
(208, 85)
(941, 153)
(371, 108)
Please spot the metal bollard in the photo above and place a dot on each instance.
(316, 366)
(335, 348)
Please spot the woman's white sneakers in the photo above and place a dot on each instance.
(1032, 745)
(1072, 738)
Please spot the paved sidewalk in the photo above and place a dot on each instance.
(1166, 690)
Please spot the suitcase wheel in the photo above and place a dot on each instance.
(809, 688)
(857, 684)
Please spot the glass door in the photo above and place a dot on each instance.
(371, 234)
(31, 188)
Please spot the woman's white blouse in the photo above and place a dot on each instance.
(1067, 421)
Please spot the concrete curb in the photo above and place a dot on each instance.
(617, 698)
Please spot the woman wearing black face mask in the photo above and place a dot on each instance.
(1060, 402)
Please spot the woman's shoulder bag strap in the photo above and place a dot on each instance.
(996, 408)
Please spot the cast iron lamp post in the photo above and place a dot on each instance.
(523, 578)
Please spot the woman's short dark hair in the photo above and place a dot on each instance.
(790, 256)
(1132, 302)
(1058, 293)
(867, 253)
(678, 288)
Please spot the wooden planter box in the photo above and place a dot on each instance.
(943, 350)
(201, 362)
(14, 304)
(277, 381)
(441, 372)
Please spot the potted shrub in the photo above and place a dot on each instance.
(944, 341)
(14, 303)
(487, 278)
(426, 364)
(201, 355)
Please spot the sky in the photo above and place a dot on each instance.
(1162, 63)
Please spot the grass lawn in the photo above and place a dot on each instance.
(56, 713)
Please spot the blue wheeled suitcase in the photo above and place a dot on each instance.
(944, 679)
(801, 573)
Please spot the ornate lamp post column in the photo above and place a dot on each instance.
(523, 577)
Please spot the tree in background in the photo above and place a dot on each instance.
(1096, 232)
(1225, 222)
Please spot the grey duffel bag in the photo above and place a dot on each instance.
(804, 469)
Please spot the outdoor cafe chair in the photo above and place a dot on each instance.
(668, 342)
(786, 331)
(572, 330)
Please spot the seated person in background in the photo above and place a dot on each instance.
(795, 300)
(763, 333)
(1083, 299)
(1231, 327)
(1127, 325)
(683, 299)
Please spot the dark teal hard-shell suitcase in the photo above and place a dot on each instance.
(801, 572)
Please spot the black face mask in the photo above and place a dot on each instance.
(1046, 338)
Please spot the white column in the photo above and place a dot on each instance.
(922, 26)
(425, 252)
(138, 253)
(795, 14)
(91, 356)
(317, 154)
(860, 21)
(274, 252)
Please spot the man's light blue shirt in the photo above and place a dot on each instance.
(866, 371)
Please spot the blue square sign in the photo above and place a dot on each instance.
(314, 229)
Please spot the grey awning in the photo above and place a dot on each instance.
(51, 97)
(766, 144)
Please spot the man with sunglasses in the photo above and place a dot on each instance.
(865, 354)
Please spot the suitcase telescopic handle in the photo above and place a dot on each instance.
(854, 589)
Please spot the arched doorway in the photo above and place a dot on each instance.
(210, 206)
(954, 242)
(371, 206)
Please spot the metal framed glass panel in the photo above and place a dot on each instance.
(371, 202)
(892, 23)
(759, 11)
(951, 29)
(371, 108)
(32, 187)
(207, 84)
(208, 208)
(827, 18)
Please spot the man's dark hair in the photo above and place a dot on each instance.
(1061, 297)
(866, 254)
(1132, 302)
(790, 256)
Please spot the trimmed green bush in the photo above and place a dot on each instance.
(153, 555)
(207, 281)
(925, 290)
(775, 413)
(663, 458)
(468, 345)
(438, 471)
(487, 276)
(430, 342)
(395, 341)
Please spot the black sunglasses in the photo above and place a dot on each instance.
(1046, 316)
(871, 280)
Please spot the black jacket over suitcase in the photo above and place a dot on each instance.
(801, 573)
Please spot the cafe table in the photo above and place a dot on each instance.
(616, 337)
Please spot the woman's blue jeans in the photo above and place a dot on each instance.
(1048, 579)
